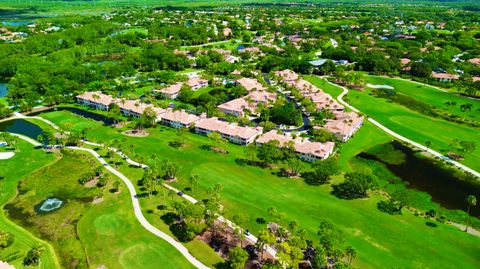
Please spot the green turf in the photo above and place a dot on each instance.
(25, 161)
(381, 240)
(418, 127)
(114, 238)
(430, 95)
(129, 244)
(324, 86)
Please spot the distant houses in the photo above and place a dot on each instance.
(445, 77)
(172, 91)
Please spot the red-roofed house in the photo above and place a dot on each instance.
(445, 77)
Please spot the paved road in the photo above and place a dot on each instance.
(400, 137)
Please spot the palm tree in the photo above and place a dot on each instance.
(193, 180)
(351, 253)
(466, 107)
(428, 144)
(471, 201)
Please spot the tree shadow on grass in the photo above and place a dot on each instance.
(205, 147)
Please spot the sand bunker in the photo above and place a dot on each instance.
(6, 155)
(376, 86)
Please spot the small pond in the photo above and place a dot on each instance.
(424, 175)
(3, 89)
(16, 23)
(49, 205)
(21, 126)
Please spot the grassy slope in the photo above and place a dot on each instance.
(411, 124)
(23, 163)
(149, 207)
(129, 244)
(429, 95)
(416, 126)
(322, 84)
(381, 240)
(68, 121)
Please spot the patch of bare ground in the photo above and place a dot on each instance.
(97, 200)
(119, 124)
(455, 156)
(92, 183)
(136, 133)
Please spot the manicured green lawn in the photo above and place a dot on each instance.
(430, 95)
(114, 238)
(201, 91)
(25, 161)
(66, 121)
(418, 127)
(112, 221)
(323, 85)
(381, 240)
(198, 248)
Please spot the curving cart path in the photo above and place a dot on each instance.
(192, 200)
(402, 138)
(136, 205)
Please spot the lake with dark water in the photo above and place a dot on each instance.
(21, 126)
(424, 175)
(16, 23)
(3, 89)
(79, 112)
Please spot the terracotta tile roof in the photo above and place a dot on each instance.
(445, 76)
(405, 61)
(172, 89)
(321, 150)
(230, 129)
(474, 61)
(239, 105)
(344, 123)
(194, 81)
(261, 96)
(250, 84)
(134, 106)
(97, 97)
(227, 31)
(287, 75)
(180, 116)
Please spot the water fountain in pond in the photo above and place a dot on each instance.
(49, 205)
